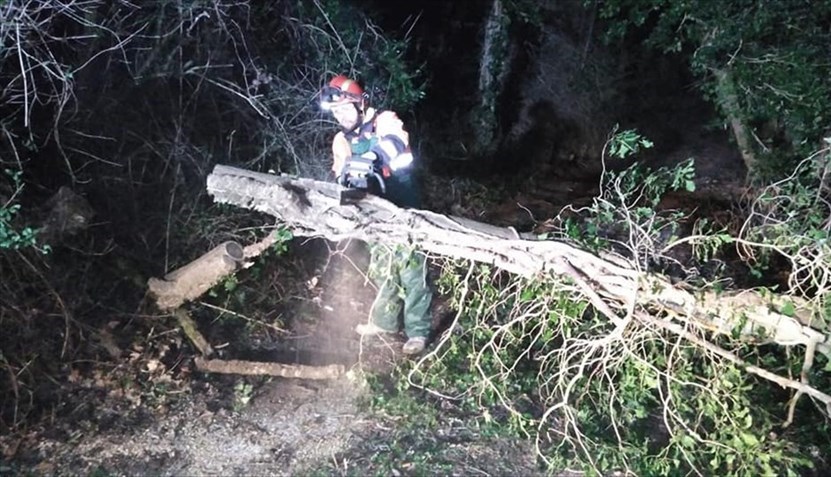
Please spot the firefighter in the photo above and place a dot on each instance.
(372, 151)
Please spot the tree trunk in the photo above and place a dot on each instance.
(494, 64)
(729, 102)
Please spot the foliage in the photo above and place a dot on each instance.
(410, 446)
(131, 104)
(243, 392)
(10, 237)
(525, 12)
(626, 143)
(775, 53)
(790, 219)
(625, 217)
(415, 434)
(282, 239)
(315, 41)
(528, 357)
(193, 83)
(620, 394)
(229, 290)
(342, 40)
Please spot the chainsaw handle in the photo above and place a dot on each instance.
(343, 178)
(381, 183)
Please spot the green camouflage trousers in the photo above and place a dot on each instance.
(400, 273)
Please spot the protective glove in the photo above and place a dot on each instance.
(342, 178)
(379, 164)
(401, 161)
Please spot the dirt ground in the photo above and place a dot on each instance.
(156, 415)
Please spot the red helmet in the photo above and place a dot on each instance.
(341, 90)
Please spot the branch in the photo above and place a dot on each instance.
(312, 208)
(192, 332)
(257, 368)
(800, 387)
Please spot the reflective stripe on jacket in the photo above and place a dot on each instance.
(391, 142)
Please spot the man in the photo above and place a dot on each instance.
(372, 151)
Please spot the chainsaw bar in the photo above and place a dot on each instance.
(352, 196)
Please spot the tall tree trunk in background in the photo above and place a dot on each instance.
(493, 69)
(729, 102)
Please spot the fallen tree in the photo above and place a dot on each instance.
(632, 300)
(312, 208)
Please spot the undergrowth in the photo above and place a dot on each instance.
(530, 357)
(130, 105)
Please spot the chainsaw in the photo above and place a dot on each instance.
(361, 175)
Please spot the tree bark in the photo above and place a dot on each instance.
(311, 208)
(610, 283)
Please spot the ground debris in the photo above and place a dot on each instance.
(259, 368)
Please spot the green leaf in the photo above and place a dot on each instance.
(749, 439)
(689, 185)
(788, 309)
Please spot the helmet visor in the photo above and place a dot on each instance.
(331, 97)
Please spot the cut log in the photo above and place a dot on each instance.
(259, 368)
(197, 277)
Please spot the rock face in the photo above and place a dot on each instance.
(566, 97)
(68, 213)
(569, 92)
(566, 103)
